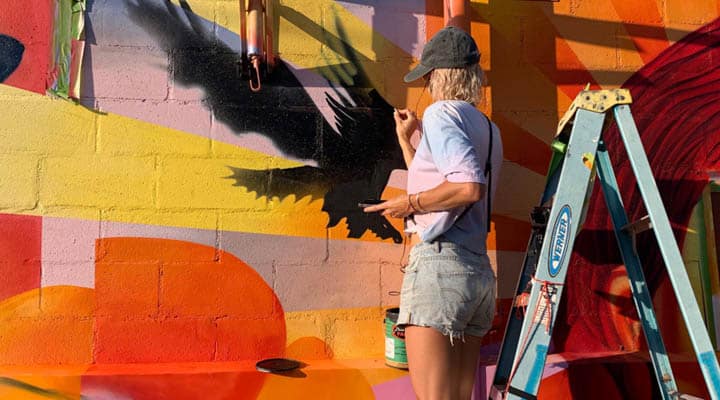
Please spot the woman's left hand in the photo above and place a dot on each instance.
(397, 207)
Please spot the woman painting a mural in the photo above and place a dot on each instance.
(448, 293)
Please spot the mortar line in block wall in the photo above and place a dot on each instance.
(156, 188)
(170, 77)
(218, 237)
(159, 288)
(96, 131)
(273, 266)
(38, 175)
(327, 245)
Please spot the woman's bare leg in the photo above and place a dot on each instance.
(439, 370)
(468, 353)
(430, 360)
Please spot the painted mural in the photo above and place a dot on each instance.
(163, 226)
(682, 149)
(350, 157)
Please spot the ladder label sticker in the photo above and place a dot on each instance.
(543, 314)
(559, 240)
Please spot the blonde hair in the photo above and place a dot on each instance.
(457, 84)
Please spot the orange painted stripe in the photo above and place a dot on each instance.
(149, 292)
(579, 76)
(573, 75)
(522, 147)
(434, 17)
(648, 32)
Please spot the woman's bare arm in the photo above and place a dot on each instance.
(445, 196)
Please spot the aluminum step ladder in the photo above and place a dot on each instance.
(579, 155)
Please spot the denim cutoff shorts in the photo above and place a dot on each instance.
(449, 288)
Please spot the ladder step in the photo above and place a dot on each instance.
(522, 394)
(641, 225)
(498, 392)
(689, 397)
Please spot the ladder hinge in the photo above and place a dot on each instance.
(594, 100)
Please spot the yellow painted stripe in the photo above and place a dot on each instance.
(174, 172)
(344, 323)
(348, 349)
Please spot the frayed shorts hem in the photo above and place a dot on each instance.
(405, 320)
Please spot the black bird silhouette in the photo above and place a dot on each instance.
(351, 166)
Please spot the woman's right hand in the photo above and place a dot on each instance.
(406, 124)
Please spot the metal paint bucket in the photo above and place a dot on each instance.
(395, 355)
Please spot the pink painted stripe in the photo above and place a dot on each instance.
(68, 252)
(401, 388)
(68, 246)
(288, 264)
(402, 22)
(396, 389)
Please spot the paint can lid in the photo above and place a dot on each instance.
(276, 365)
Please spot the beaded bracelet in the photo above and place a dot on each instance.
(417, 200)
(409, 199)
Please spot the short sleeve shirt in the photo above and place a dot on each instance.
(454, 147)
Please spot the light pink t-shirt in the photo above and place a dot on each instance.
(454, 148)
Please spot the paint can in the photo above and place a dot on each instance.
(395, 355)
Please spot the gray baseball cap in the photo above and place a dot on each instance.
(451, 47)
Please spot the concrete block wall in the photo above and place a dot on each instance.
(172, 215)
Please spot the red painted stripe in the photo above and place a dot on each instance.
(20, 252)
(32, 27)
